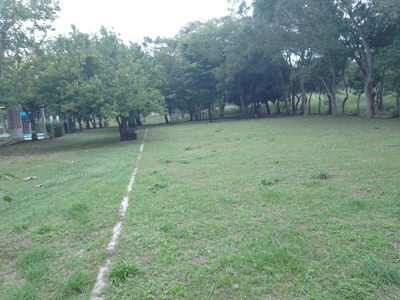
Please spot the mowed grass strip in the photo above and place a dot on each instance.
(283, 208)
(53, 238)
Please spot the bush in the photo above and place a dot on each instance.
(55, 129)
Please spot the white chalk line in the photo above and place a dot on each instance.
(100, 281)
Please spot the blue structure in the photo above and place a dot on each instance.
(26, 126)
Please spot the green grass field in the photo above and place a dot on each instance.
(278, 208)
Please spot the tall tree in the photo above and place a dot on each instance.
(130, 80)
(368, 30)
(23, 27)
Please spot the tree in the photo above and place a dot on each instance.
(368, 30)
(75, 69)
(200, 47)
(23, 26)
(172, 86)
(29, 88)
(130, 80)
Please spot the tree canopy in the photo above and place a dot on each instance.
(267, 51)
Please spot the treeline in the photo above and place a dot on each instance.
(85, 78)
(281, 52)
(272, 51)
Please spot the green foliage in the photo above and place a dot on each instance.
(177, 290)
(55, 129)
(25, 291)
(79, 212)
(267, 182)
(23, 26)
(280, 53)
(32, 263)
(157, 187)
(323, 175)
(76, 283)
(382, 272)
(121, 271)
(7, 198)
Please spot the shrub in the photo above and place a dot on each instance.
(55, 129)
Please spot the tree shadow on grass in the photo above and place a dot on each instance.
(80, 141)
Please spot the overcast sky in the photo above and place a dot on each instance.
(136, 19)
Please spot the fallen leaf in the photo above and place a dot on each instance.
(29, 178)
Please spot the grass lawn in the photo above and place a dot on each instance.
(279, 208)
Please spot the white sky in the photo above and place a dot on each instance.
(136, 19)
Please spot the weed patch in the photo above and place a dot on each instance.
(267, 182)
(79, 212)
(158, 187)
(76, 283)
(323, 175)
(33, 264)
(121, 271)
(26, 290)
(381, 271)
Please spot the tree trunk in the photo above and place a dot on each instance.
(380, 96)
(166, 119)
(287, 106)
(210, 116)
(87, 123)
(369, 98)
(319, 103)
(358, 104)
(304, 98)
(335, 112)
(309, 103)
(196, 113)
(122, 126)
(222, 108)
(268, 108)
(331, 92)
(365, 65)
(138, 120)
(32, 120)
(397, 111)
(297, 103)
(345, 98)
(170, 113)
(93, 121)
(100, 122)
(191, 116)
(242, 108)
(79, 123)
(278, 107)
(294, 105)
(329, 103)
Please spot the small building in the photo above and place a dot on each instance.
(15, 125)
